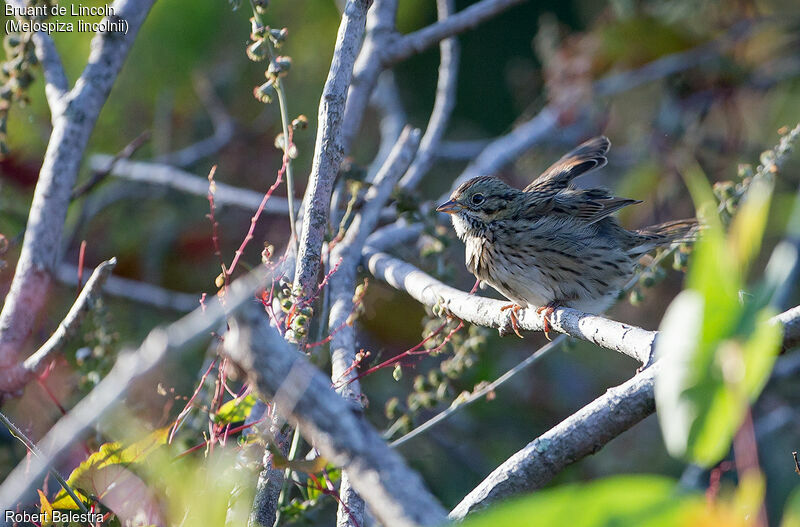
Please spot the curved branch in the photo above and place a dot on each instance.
(86, 299)
(633, 341)
(55, 78)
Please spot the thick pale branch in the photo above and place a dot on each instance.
(509, 147)
(160, 174)
(303, 394)
(71, 130)
(328, 151)
(630, 340)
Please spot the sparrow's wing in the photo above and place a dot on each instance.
(589, 205)
(586, 157)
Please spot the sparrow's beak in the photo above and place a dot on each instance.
(449, 207)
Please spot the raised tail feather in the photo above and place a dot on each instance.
(678, 231)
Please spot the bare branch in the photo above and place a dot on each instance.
(380, 29)
(581, 434)
(341, 287)
(328, 151)
(386, 99)
(630, 340)
(169, 176)
(505, 149)
(71, 129)
(383, 48)
(86, 299)
(160, 343)
(445, 101)
(395, 493)
(464, 20)
(140, 292)
(791, 327)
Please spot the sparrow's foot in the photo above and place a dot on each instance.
(546, 312)
(514, 320)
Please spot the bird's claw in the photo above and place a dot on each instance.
(546, 312)
(512, 318)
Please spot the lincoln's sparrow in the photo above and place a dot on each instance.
(553, 244)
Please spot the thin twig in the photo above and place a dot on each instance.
(31, 446)
(477, 394)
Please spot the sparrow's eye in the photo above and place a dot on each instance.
(477, 199)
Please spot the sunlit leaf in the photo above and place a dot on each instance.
(88, 477)
(235, 410)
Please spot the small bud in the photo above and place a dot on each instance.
(257, 31)
(419, 383)
(266, 254)
(300, 122)
(392, 405)
(397, 373)
(261, 6)
(219, 281)
(265, 92)
(258, 51)
(286, 305)
(278, 36)
(279, 143)
(636, 297)
(279, 67)
(300, 321)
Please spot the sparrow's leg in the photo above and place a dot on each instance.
(548, 311)
(514, 321)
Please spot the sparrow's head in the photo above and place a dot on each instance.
(478, 202)
(484, 198)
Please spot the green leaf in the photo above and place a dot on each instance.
(716, 349)
(235, 411)
(640, 501)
